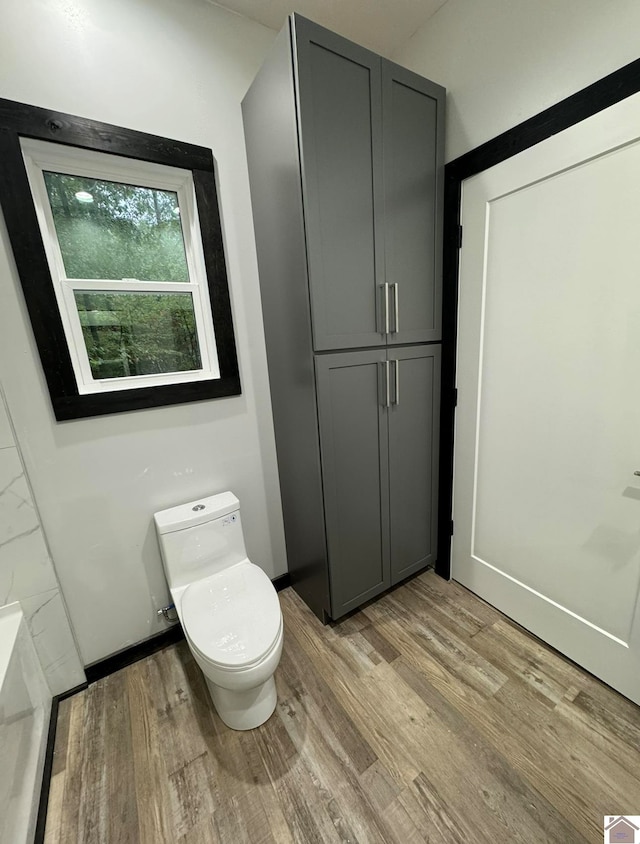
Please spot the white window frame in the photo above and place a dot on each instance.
(40, 156)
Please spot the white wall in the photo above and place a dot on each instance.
(177, 68)
(503, 61)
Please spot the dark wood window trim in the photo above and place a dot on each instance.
(19, 120)
(605, 92)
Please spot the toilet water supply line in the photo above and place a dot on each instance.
(169, 613)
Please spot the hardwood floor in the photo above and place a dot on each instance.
(427, 716)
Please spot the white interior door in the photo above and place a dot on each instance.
(546, 503)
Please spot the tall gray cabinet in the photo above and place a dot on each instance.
(345, 153)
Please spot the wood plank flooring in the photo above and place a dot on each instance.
(425, 717)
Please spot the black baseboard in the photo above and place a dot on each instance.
(127, 656)
(71, 692)
(43, 805)
(282, 582)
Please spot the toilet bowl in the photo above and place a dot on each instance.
(228, 607)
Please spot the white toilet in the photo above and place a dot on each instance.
(228, 607)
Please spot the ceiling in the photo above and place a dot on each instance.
(380, 25)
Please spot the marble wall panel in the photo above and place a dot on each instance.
(27, 574)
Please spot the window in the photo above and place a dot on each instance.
(125, 257)
(124, 253)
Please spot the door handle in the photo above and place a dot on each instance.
(637, 472)
(396, 382)
(396, 308)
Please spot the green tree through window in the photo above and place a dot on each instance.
(138, 333)
(111, 230)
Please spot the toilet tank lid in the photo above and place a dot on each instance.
(195, 512)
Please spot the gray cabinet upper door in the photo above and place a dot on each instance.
(413, 457)
(354, 448)
(339, 102)
(413, 135)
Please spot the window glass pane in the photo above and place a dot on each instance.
(138, 333)
(112, 230)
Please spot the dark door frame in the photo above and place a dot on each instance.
(605, 92)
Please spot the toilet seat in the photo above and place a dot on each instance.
(233, 618)
(236, 670)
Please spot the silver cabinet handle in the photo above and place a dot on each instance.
(386, 308)
(396, 391)
(396, 308)
(637, 472)
(388, 387)
(384, 369)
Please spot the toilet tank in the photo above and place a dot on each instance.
(200, 538)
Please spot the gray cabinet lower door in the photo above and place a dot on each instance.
(354, 446)
(413, 457)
